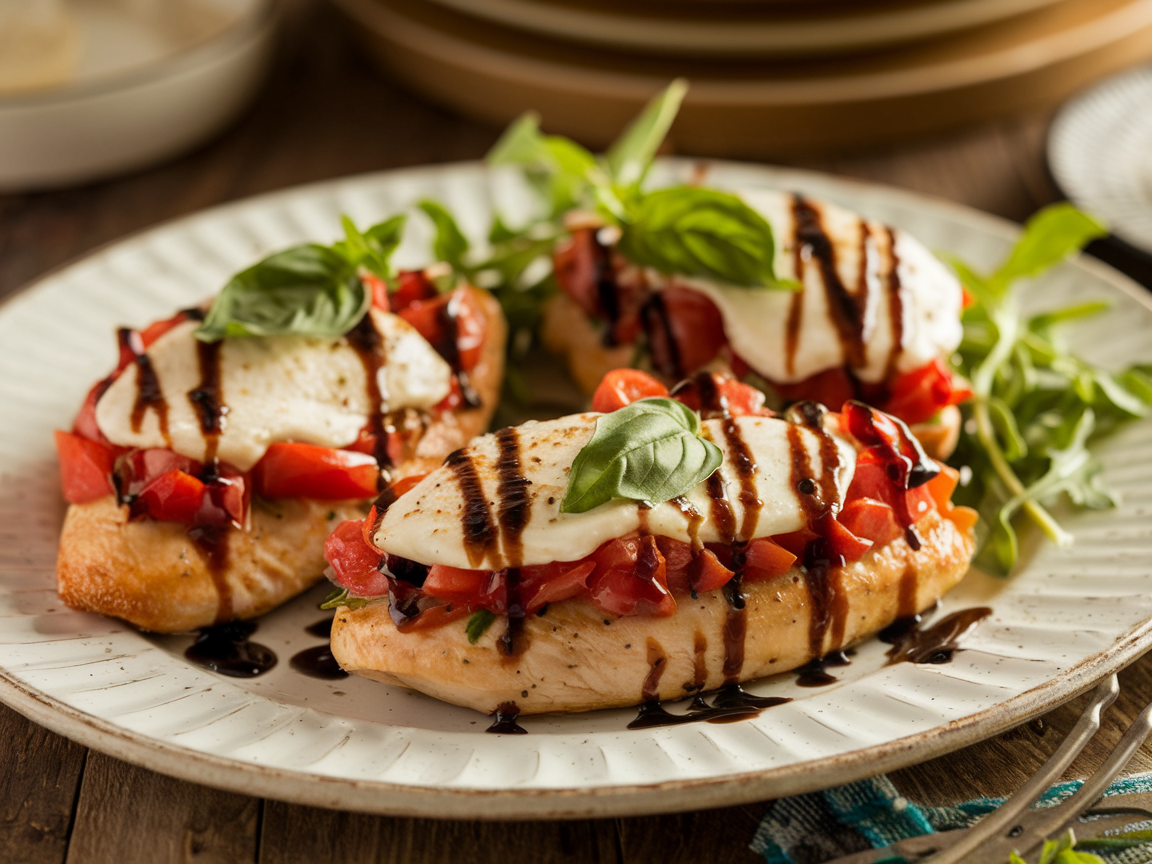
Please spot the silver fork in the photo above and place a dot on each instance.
(1011, 829)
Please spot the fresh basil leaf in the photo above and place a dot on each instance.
(631, 155)
(450, 244)
(1049, 237)
(689, 231)
(560, 168)
(309, 290)
(500, 232)
(373, 248)
(478, 625)
(650, 450)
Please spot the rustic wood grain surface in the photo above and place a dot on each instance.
(325, 114)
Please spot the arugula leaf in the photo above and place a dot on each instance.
(650, 450)
(631, 155)
(691, 231)
(562, 171)
(478, 625)
(1037, 406)
(1049, 237)
(450, 244)
(309, 290)
(340, 597)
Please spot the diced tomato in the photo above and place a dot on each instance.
(454, 399)
(832, 387)
(457, 585)
(966, 298)
(411, 285)
(842, 541)
(734, 398)
(85, 468)
(294, 470)
(137, 468)
(631, 578)
(154, 331)
(452, 324)
(766, 559)
(366, 443)
(378, 289)
(918, 395)
(941, 488)
(870, 519)
(85, 423)
(576, 263)
(685, 331)
(174, 496)
(708, 573)
(692, 570)
(622, 387)
(354, 562)
(795, 542)
(551, 583)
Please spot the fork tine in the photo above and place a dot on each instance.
(951, 846)
(1001, 820)
(1057, 820)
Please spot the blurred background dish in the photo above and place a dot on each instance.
(722, 28)
(764, 107)
(89, 88)
(1100, 152)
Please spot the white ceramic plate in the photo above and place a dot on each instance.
(1065, 620)
(1100, 151)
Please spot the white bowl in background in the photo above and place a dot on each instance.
(147, 87)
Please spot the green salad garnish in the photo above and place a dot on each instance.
(1037, 405)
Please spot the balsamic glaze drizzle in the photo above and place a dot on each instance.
(504, 720)
(149, 395)
(225, 648)
(480, 532)
(369, 346)
(937, 644)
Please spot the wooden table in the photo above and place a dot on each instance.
(326, 114)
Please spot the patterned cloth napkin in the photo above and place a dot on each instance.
(872, 814)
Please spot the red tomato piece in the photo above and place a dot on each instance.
(85, 423)
(551, 583)
(411, 285)
(708, 573)
(870, 519)
(85, 468)
(452, 324)
(918, 395)
(622, 387)
(631, 578)
(678, 564)
(154, 331)
(731, 396)
(842, 541)
(766, 559)
(294, 470)
(795, 542)
(832, 387)
(174, 496)
(355, 563)
(576, 263)
(378, 289)
(685, 331)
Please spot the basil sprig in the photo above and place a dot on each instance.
(650, 451)
(686, 230)
(1037, 406)
(309, 290)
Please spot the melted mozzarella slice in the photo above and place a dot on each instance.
(429, 524)
(276, 388)
(907, 302)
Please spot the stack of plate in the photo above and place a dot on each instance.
(769, 77)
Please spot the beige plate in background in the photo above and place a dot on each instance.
(746, 31)
(764, 108)
(1066, 619)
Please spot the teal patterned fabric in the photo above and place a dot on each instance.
(872, 814)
